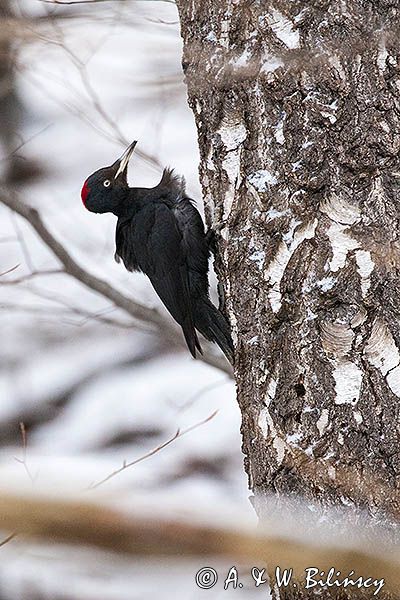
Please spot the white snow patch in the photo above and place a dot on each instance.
(253, 341)
(310, 315)
(348, 379)
(283, 29)
(211, 37)
(326, 283)
(262, 179)
(323, 421)
(358, 417)
(278, 264)
(365, 266)
(273, 213)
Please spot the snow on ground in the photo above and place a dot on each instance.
(94, 393)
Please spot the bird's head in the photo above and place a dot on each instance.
(106, 189)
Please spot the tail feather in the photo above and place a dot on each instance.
(191, 338)
(213, 326)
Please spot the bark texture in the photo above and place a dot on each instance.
(297, 106)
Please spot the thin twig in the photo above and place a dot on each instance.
(8, 539)
(25, 142)
(127, 465)
(9, 271)
(24, 461)
(32, 275)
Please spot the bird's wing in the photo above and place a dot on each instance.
(161, 255)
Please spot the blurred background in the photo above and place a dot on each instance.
(91, 388)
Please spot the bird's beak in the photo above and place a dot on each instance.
(122, 162)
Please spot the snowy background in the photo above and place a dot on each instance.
(91, 389)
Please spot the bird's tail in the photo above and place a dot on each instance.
(213, 326)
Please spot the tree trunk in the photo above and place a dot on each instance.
(297, 106)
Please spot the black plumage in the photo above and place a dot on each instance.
(160, 232)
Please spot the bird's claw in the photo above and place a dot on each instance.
(211, 235)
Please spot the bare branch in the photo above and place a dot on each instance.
(177, 435)
(136, 310)
(109, 529)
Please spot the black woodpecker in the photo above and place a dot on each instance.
(160, 232)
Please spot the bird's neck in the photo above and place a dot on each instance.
(129, 202)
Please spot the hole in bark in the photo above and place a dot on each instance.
(300, 389)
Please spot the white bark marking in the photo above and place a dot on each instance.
(340, 210)
(270, 64)
(342, 214)
(341, 244)
(365, 266)
(323, 421)
(337, 340)
(280, 138)
(382, 55)
(382, 353)
(393, 379)
(381, 350)
(279, 263)
(232, 136)
(283, 29)
(263, 421)
(271, 391)
(266, 423)
(348, 379)
(280, 448)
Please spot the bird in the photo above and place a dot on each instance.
(160, 233)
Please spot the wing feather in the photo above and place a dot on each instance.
(161, 255)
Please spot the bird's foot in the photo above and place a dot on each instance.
(211, 235)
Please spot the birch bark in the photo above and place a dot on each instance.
(297, 106)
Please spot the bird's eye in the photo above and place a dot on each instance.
(107, 183)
